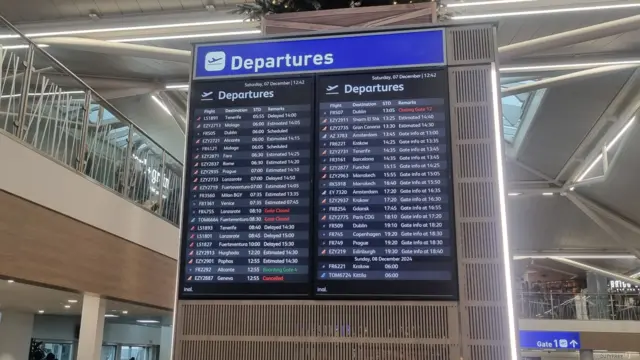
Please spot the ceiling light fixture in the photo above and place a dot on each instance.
(125, 312)
(148, 321)
(574, 256)
(75, 92)
(40, 311)
(567, 66)
(189, 36)
(72, 301)
(177, 87)
(111, 315)
(67, 306)
(161, 104)
(546, 12)
(480, 3)
(502, 206)
(514, 194)
(125, 28)
(547, 194)
(15, 47)
(11, 281)
(606, 148)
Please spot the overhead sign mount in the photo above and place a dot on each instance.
(360, 51)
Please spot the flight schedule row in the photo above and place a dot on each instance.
(298, 187)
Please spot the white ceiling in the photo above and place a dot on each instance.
(31, 299)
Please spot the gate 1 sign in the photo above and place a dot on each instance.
(549, 340)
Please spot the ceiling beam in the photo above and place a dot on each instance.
(610, 214)
(621, 109)
(120, 49)
(595, 269)
(565, 79)
(572, 196)
(569, 38)
(177, 114)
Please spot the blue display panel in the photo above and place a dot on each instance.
(568, 340)
(321, 54)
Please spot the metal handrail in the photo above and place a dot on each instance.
(94, 93)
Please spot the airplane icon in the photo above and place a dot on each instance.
(206, 93)
(324, 136)
(331, 89)
(215, 60)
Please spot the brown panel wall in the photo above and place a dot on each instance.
(610, 341)
(42, 246)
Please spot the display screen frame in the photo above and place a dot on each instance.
(271, 291)
(454, 282)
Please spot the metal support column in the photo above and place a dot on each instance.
(161, 183)
(127, 163)
(24, 91)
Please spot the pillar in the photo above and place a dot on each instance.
(586, 354)
(15, 335)
(166, 337)
(597, 289)
(91, 327)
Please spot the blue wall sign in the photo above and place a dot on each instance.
(317, 54)
(569, 340)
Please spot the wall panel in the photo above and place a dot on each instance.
(42, 246)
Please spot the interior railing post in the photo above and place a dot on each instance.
(128, 162)
(18, 126)
(161, 182)
(83, 154)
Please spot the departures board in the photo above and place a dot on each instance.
(304, 180)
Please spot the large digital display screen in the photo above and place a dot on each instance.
(319, 167)
(383, 189)
(248, 199)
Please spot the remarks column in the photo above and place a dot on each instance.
(91, 327)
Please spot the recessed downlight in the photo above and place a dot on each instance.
(40, 311)
(125, 312)
(67, 306)
(111, 315)
(72, 301)
(10, 281)
(148, 321)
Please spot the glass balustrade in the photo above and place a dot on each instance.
(54, 112)
(579, 306)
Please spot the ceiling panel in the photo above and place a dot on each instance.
(67, 8)
(539, 223)
(128, 6)
(567, 113)
(149, 5)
